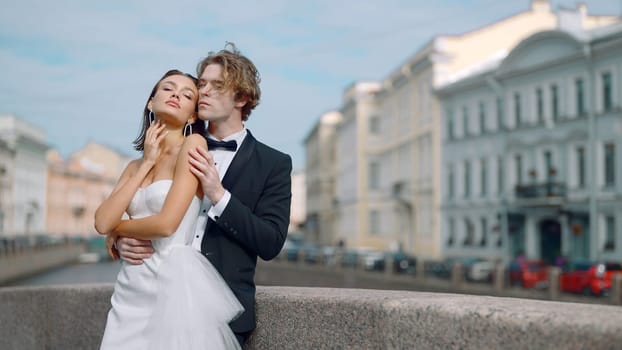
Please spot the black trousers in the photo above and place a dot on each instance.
(242, 337)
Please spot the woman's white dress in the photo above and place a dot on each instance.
(174, 300)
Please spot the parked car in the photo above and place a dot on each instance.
(473, 268)
(312, 253)
(350, 258)
(438, 268)
(376, 261)
(291, 247)
(588, 278)
(479, 270)
(373, 260)
(404, 263)
(528, 274)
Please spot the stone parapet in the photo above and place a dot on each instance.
(73, 317)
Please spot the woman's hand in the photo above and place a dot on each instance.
(153, 137)
(111, 239)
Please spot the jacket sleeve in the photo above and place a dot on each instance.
(264, 229)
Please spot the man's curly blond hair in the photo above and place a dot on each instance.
(239, 75)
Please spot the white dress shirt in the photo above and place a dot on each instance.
(222, 160)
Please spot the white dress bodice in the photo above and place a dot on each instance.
(150, 199)
(175, 299)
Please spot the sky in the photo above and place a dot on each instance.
(82, 70)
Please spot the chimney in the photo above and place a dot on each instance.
(541, 5)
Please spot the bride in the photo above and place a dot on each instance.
(176, 299)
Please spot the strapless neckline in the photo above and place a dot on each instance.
(155, 182)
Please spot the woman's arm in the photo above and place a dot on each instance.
(183, 189)
(110, 212)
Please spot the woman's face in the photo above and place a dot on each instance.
(175, 100)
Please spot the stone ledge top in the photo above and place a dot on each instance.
(313, 318)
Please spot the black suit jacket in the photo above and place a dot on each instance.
(254, 222)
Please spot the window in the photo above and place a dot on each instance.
(610, 175)
(450, 124)
(467, 179)
(451, 180)
(465, 120)
(540, 105)
(517, 110)
(468, 229)
(518, 161)
(484, 238)
(581, 167)
(482, 117)
(500, 123)
(610, 233)
(579, 96)
(500, 175)
(451, 232)
(548, 165)
(374, 125)
(499, 229)
(483, 177)
(607, 92)
(374, 222)
(374, 176)
(555, 102)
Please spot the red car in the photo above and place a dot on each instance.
(529, 274)
(588, 278)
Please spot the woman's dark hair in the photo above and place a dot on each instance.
(198, 127)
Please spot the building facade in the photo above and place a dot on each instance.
(78, 185)
(320, 179)
(298, 210)
(23, 181)
(6, 173)
(394, 181)
(356, 226)
(532, 150)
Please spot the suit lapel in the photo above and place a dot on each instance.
(237, 164)
(239, 161)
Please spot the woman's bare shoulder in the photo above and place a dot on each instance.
(133, 165)
(195, 140)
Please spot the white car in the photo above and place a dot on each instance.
(481, 271)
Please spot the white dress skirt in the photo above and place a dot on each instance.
(174, 300)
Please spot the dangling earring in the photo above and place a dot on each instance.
(187, 129)
(151, 117)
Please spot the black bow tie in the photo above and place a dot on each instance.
(226, 145)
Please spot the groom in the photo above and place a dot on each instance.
(247, 185)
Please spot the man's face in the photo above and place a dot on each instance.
(215, 104)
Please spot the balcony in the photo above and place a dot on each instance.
(541, 194)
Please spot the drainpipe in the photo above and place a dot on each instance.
(505, 225)
(591, 121)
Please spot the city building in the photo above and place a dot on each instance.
(298, 210)
(78, 185)
(320, 179)
(357, 224)
(389, 185)
(22, 178)
(532, 150)
(6, 158)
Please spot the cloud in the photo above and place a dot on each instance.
(82, 69)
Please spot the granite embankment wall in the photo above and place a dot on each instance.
(73, 317)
